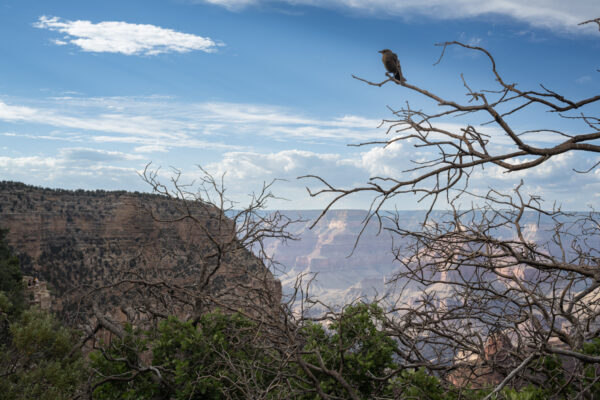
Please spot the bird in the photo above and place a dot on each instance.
(392, 65)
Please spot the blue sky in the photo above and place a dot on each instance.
(90, 92)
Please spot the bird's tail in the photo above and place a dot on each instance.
(399, 77)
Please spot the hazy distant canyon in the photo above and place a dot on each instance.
(343, 274)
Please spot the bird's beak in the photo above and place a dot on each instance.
(380, 51)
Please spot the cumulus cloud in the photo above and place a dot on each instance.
(553, 14)
(284, 164)
(344, 169)
(245, 171)
(75, 168)
(557, 170)
(127, 132)
(125, 38)
(383, 161)
(78, 158)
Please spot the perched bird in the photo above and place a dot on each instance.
(392, 65)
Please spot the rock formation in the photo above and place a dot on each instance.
(37, 293)
(120, 254)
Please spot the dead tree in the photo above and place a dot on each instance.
(495, 302)
(222, 267)
(283, 362)
(219, 264)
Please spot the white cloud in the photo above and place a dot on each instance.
(287, 164)
(553, 14)
(96, 155)
(282, 123)
(30, 163)
(246, 171)
(74, 169)
(558, 169)
(108, 139)
(106, 122)
(114, 137)
(151, 149)
(474, 41)
(158, 121)
(584, 79)
(232, 4)
(125, 38)
(66, 157)
(384, 161)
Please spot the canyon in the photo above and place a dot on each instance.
(80, 240)
(345, 269)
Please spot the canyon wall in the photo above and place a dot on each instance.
(112, 247)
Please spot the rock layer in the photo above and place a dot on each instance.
(84, 242)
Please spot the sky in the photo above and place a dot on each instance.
(92, 92)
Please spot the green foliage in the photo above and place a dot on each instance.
(5, 317)
(529, 392)
(591, 372)
(39, 364)
(11, 279)
(5, 304)
(192, 352)
(212, 360)
(12, 298)
(556, 379)
(418, 384)
(36, 361)
(206, 361)
(592, 347)
(354, 347)
(195, 362)
(120, 360)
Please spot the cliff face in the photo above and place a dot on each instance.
(107, 248)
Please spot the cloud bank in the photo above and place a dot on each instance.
(552, 14)
(124, 38)
(156, 123)
(100, 142)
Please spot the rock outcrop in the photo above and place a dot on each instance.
(37, 293)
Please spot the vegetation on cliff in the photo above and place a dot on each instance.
(37, 357)
(230, 356)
